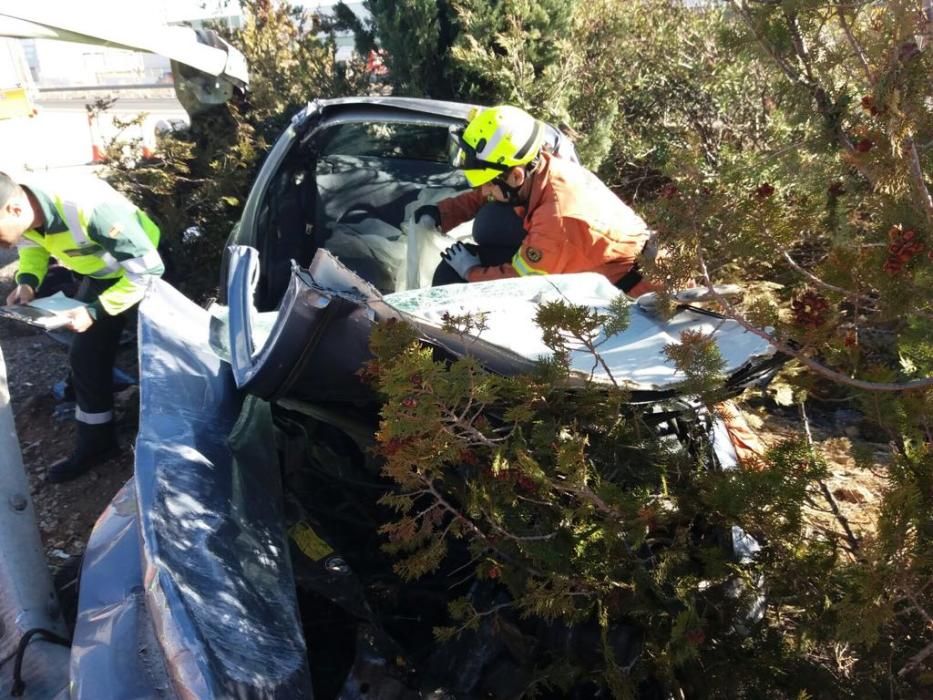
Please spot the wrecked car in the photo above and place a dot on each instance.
(243, 559)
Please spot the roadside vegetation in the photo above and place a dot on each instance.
(786, 145)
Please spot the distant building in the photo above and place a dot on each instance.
(66, 64)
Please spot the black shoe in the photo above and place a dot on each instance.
(96, 444)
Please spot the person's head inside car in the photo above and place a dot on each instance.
(533, 212)
(497, 150)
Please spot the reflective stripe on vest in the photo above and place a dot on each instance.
(72, 217)
(523, 268)
(93, 418)
(136, 268)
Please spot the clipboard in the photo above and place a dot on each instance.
(46, 313)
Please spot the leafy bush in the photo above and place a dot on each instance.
(785, 145)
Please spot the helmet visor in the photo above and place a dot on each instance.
(463, 157)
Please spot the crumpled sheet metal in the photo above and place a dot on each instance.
(319, 340)
(27, 599)
(634, 358)
(216, 573)
(320, 337)
(114, 653)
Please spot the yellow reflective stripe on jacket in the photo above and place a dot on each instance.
(97, 233)
(523, 268)
(138, 273)
(102, 264)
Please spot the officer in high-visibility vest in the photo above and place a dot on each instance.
(535, 213)
(96, 232)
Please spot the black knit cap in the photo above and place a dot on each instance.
(7, 187)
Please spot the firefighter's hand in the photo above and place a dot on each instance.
(79, 319)
(428, 216)
(23, 294)
(460, 259)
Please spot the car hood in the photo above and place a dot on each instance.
(314, 345)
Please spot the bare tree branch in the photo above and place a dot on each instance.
(817, 281)
(854, 544)
(819, 368)
(917, 182)
(805, 78)
(916, 661)
(741, 7)
(853, 43)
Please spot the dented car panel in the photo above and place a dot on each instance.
(218, 583)
(114, 650)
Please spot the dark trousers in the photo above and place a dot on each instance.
(93, 354)
(498, 232)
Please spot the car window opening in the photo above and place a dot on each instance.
(352, 188)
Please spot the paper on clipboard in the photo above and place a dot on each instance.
(46, 313)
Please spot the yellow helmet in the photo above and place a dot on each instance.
(494, 141)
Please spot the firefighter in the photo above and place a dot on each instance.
(533, 213)
(96, 232)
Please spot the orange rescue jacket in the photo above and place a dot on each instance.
(574, 223)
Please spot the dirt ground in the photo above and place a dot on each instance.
(67, 512)
(46, 429)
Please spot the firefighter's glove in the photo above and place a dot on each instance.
(428, 216)
(460, 259)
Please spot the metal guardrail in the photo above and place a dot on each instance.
(96, 88)
(27, 598)
(90, 92)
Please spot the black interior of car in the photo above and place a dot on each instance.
(346, 188)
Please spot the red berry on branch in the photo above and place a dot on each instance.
(669, 191)
(907, 51)
(868, 104)
(810, 309)
(864, 145)
(524, 484)
(391, 446)
(410, 402)
(892, 267)
(764, 191)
